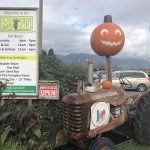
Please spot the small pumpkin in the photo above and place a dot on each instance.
(106, 84)
(107, 39)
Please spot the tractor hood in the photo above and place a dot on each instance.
(114, 96)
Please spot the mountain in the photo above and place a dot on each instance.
(81, 58)
(128, 63)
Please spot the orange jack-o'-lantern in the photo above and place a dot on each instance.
(107, 39)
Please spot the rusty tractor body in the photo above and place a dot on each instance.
(89, 114)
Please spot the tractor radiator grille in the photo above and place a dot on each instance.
(74, 120)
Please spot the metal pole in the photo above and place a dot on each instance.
(147, 50)
(29, 102)
(2, 102)
(109, 67)
(40, 36)
(40, 24)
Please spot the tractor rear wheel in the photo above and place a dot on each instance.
(102, 144)
(141, 123)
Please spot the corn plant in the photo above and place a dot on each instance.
(28, 125)
(19, 121)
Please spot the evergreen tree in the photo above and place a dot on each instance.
(52, 68)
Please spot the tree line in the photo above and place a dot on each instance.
(52, 68)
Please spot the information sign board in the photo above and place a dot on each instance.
(19, 51)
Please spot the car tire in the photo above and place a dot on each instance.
(141, 122)
(141, 87)
(102, 143)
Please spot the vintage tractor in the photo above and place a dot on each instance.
(94, 110)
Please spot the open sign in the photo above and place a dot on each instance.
(49, 90)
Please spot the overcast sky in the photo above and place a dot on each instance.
(68, 24)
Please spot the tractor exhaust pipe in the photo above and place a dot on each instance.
(90, 86)
(90, 72)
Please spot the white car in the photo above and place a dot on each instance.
(131, 79)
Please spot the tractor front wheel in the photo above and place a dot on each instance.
(102, 144)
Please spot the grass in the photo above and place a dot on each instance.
(12, 145)
(132, 146)
(16, 145)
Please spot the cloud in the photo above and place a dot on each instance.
(79, 18)
(136, 44)
(65, 39)
(68, 24)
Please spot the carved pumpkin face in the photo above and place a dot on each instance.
(107, 39)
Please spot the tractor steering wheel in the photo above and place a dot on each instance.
(125, 81)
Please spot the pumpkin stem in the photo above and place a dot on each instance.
(107, 18)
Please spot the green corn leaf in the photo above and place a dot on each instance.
(2, 109)
(30, 125)
(22, 136)
(4, 115)
(43, 145)
(5, 133)
(23, 114)
(2, 126)
(37, 132)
